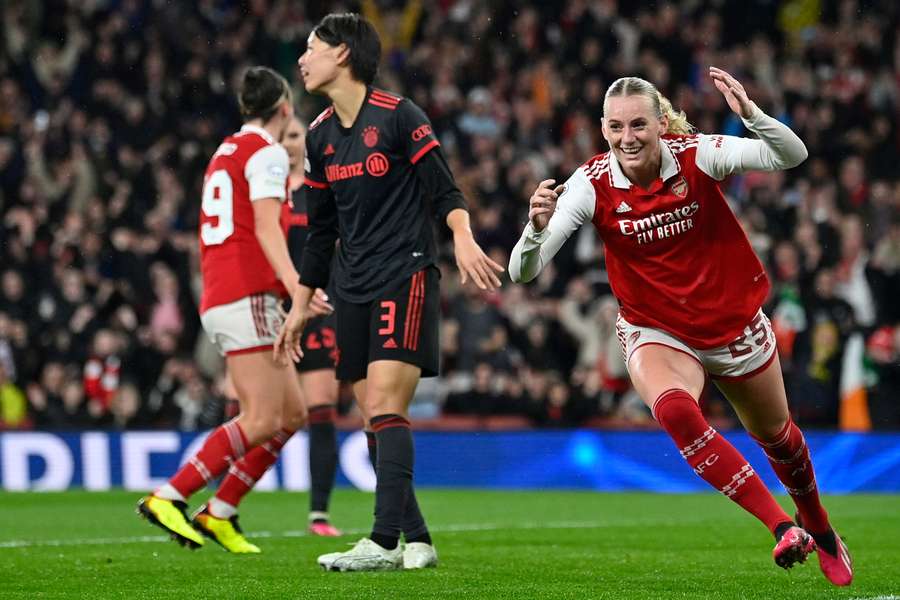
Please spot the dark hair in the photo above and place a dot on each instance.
(262, 90)
(361, 39)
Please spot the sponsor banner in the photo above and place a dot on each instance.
(572, 459)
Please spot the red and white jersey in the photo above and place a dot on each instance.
(676, 255)
(247, 166)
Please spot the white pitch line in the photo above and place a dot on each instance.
(461, 527)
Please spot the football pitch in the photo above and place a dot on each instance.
(490, 544)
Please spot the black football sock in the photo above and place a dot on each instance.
(414, 527)
(394, 477)
(373, 448)
(322, 455)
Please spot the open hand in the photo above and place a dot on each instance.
(473, 263)
(287, 344)
(734, 93)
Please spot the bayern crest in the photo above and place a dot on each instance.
(370, 136)
(680, 187)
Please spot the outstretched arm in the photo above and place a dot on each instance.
(450, 207)
(777, 148)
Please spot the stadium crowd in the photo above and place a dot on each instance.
(109, 112)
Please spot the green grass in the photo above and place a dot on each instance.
(491, 545)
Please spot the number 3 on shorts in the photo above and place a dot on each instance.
(388, 317)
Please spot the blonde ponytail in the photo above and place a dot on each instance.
(635, 86)
(678, 123)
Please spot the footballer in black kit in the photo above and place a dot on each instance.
(373, 166)
(370, 182)
(319, 341)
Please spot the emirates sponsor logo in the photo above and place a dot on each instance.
(660, 225)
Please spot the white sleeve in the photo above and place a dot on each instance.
(533, 250)
(267, 172)
(777, 148)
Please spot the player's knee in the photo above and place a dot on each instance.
(382, 399)
(770, 429)
(294, 419)
(261, 427)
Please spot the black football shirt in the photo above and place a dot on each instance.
(363, 182)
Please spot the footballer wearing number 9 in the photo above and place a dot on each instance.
(247, 272)
(690, 289)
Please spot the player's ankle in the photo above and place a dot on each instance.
(422, 538)
(388, 542)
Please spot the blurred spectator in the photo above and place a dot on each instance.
(478, 328)
(559, 408)
(109, 112)
(884, 403)
(483, 398)
(102, 372)
(830, 321)
(124, 410)
(199, 407)
(13, 406)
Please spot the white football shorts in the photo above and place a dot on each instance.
(250, 324)
(750, 353)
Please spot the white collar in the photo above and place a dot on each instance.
(667, 168)
(259, 131)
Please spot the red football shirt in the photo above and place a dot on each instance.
(676, 255)
(247, 166)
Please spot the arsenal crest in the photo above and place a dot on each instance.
(370, 136)
(680, 187)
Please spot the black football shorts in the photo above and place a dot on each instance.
(402, 324)
(319, 344)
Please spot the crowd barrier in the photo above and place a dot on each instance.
(533, 459)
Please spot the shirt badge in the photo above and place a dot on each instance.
(680, 187)
(370, 136)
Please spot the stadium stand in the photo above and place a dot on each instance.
(110, 110)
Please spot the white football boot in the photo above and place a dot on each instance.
(419, 555)
(366, 555)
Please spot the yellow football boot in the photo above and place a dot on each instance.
(225, 532)
(170, 516)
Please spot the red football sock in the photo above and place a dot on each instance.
(244, 474)
(714, 459)
(223, 446)
(789, 456)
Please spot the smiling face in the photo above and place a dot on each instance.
(320, 64)
(632, 129)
